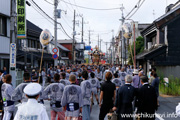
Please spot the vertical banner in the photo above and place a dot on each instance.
(21, 19)
(13, 56)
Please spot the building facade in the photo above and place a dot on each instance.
(5, 10)
(162, 43)
(118, 41)
(78, 50)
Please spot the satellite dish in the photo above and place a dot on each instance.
(45, 37)
(127, 30)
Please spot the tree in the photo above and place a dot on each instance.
(139, 48)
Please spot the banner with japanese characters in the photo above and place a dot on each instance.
(21, 19)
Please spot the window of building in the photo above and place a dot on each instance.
(3, 26)
(32, 44)
(64, 54)
(154, 40)
(38, 45)
(29, 43)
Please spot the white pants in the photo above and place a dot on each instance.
(43, 81)
(7, 115)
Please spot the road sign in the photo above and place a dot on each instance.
(87, 47)
(55, 56)
(13, 55)
(55, 50)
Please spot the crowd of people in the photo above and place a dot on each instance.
(71, 91)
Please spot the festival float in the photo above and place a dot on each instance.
(97, 56)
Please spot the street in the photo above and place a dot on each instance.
(167, 106)
(94, 113)
(131, 43)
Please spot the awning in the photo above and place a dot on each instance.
(46, 56)
(78, 59)
(4, 56)
(153, 52)
(64, 58)
(168, 17)
(22, 63)
(60, 46)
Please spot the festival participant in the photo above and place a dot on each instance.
(7, 90)
(72, 100)
(63, 79)
(95, 87)
(50, 73)
(136, 82)
(124, 98)
(43, 73)
(117, 81)
(99, 74)
(86, 95)
(155, 84)
(54, 92)
(147, 100)
(122, 75)
(107, 96)
(18, 93)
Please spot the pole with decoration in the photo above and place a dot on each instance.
(45, 39)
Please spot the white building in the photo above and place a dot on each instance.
(4, 32)
(118, 47)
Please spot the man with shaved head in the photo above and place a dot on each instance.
(72, 99)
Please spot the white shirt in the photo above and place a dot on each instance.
(145, 83)
(1, 76)
(32, 109)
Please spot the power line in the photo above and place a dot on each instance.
(68, 8)
(49, 2)
(41, 13)
(133, 9)
(137, 9)
(67, 23)
(76, 6)
(50, 18)
(64, 31)
(71, 5)
(89, 7)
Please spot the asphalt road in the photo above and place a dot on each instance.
(166, 111)
(168, 107)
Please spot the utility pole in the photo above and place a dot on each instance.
(106, 51)
(13, 36)
(74, 33)
(113, 47)
(122, 38)
(98, 41)
(89, 44)
(55, 28)
(134, 45)
(100, 44)
(82, 28)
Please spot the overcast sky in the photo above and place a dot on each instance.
(100, 22)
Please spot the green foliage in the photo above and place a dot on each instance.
(139, 48)
(173, 88)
